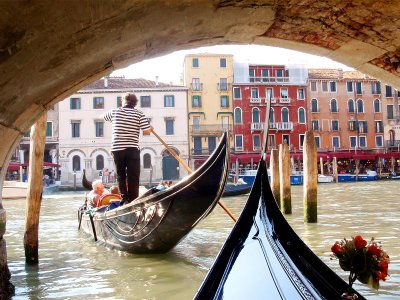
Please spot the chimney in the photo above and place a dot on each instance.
(156, 80)
(105, 81)
(340, 71)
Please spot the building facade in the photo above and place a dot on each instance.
(85, 138)
(209, 80)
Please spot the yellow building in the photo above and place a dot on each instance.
(209, 78)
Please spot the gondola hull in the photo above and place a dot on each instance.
(158, 220)
(236, 190)
(263, 258)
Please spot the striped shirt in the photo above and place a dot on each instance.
(126, 124)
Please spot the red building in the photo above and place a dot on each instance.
(285, 87)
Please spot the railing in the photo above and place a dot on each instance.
(268, 79)
(257, 126)
(255, 100)
(281, 125)
(284, 100)
(392, 143)
(203, 151)
(215, 129)
(196, 86)
(223, 86)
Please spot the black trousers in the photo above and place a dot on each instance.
(127, 164)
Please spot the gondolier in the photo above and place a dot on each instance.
(127, 121)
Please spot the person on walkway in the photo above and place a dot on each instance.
(97, 191)
(127, 122)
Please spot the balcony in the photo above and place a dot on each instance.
(284, 100)
(223, 87)
(392, 143)
(268, 79)
(196, 87)
(255, 100)
(203, 151)
(281, 125)
(257, 126)
(210, 130)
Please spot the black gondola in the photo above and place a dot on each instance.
(236, 190)
(156, 221)
(263, 257)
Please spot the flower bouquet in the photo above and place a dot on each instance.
(366, 261)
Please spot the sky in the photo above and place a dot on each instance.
(169, 67)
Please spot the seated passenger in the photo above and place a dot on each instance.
(160, 186)
(97, 191)
(114, 190)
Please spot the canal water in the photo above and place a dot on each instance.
(72, 266)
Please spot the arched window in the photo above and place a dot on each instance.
(99, 162)
(360, 106)
(377, 106)
(334, 107)
(147, 161)
(350, 105)
(256, 115)
(302, 115)
(76, 163)
(238, 115)
(272, 116)
(314, 105)
(285, 115)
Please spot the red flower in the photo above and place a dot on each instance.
(359, 242)
(337, 249)
(374, 250)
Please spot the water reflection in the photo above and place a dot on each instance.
(72, 266)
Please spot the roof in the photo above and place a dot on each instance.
(334, 74)
(113, 83)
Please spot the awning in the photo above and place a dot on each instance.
(13, 167)
(388, 155)
(246, 158)
(45, 164)
(364, 156)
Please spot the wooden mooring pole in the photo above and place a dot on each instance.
(335, 171)
(284, 173)
(310, 178)
(274, 176)
(35, 189)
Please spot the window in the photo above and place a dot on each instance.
(317, 141)
(223, 84)
(272, 116)
(145, 101)
(324, 85)
(98, 102)
(336, 142)
(335, 125)
(362, 126)
(353, 141)
(254, 93)
(224, 101)
(196, 101)
(269, 93)
(75, 103)
(147, 161)
(99, 162)
(379, 141)
(271, 141)
(237, 93)
(376, 87)
(279, 75)
(169, 101)
(359, 89)
(222, 62)
(119, 101)
(256, 142)
(196, 123)
(238, 115)
(265, 75)
(301, 140)
(315, 125)
(334, 107)
(286, 139)
(196, 85)
(251, 75)
(302, 115)
(255, 115)
(360, 106)
(390, 114)
(195, 62)
(169, 126)
(377, 106)
(363, 141)
(352, 125)
(239, 142)
(313, 86)
(284, 93)
(99, 125)
(198, 148)
(350, 105)
(349, 85)
(49, 129)
(389, 91)
(76, 163)
(314, 105)
(75, 126)
(378, 126)
(300, 94)
(332, 86)
(285, 115)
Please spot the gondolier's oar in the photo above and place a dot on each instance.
(220, 202)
